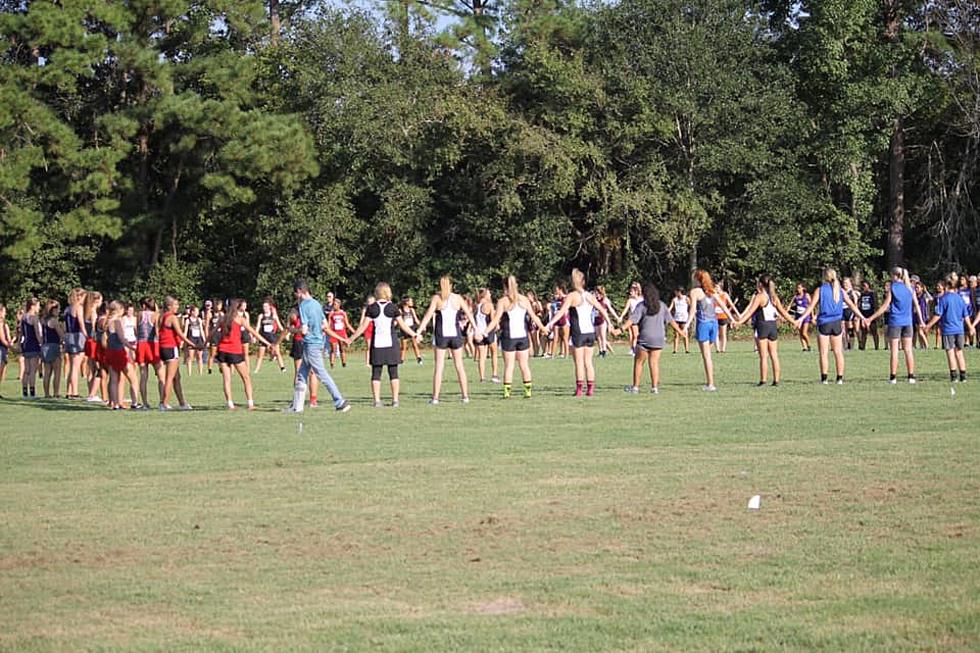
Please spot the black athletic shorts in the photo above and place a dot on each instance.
(230, 359)
(488, 340)
(168, 354)
(765, 330)
(830, 328)
(386, 356)
(583, 340)
(296, 350)
(455, 342)
(515, 344)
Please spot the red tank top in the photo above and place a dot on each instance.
(168, 334)
(297, 323)
(231, 342)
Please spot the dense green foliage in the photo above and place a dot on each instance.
(228, 146)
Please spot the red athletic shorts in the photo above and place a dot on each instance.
(91, 348)
(334, 341)
(147, 353)
(116, 359)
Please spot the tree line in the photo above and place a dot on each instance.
(215, 148)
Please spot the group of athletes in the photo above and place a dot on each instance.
(115, 346)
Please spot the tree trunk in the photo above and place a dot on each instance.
(274, 20)
(896, 196)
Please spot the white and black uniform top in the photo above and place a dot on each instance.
(682, 313)
(384, 340)
(447, 332)
(766, 326)
(408, 317)
(482, 319)
(513, 329)
(580, 320)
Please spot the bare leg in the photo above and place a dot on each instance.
(655, 368)
(837, 344)
(638, 360)
(461, 373)
(709, 369)
(437, 373)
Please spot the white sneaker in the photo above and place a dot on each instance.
(494, 379)
(466, 400)
(892, 381)
(631, 389)
(93, 400)
(433, 402)
(655, 390)
(186, 407)
(165, 407)
(912, 380)
(709, 388)
(840, 381)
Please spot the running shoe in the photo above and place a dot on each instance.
(344, 407)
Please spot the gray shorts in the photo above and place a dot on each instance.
(953, 342)
(896, 332)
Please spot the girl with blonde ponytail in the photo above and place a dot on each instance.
(830, 298)
(513, 315)
(900, 303)
(443, 308)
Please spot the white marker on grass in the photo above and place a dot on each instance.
(755, 502)
(299, 429)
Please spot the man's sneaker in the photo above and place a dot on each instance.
(344, 407)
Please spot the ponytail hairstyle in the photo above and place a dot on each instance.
(115, 308)
(149, 304)
(50, 307)
(651, 297)
(768, 286)
(703, 279)
(830, 276)
(445, 287)
(382, 292)
(510, 289)
(169, 301)
(76, 296)
(902, 274)
(31, 303)
(578, 279)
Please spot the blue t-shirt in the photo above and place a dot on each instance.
(311, 315)
(830, 311)
(951, 311)
(901, 308)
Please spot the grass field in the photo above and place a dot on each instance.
(616, 523)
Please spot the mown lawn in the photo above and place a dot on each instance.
(617, 523)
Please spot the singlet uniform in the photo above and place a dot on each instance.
(91, 343)
(848, 313)
(597, 318)
(967, 298)
(462, 324)
(100, 338)
(215, 325)
(831, 312)
(447, 333)
(408, 317)
(147, 348)
(115, 355)
(268, 328)
(168, 339)
(482, 320)
(652, 328)
(246, 336)
(129, 330)
(707, 317)
(384, 341)
(29, 345)
(514, 329)
(50, 343)
(868, 303)
(296, 349)
(231, 349)
(195, 331)
(682, 313)
(922, 299)
(580, 321)
(338, 322)
(74, 338)
(720, 311)
(800, 304)
(900, 316)
(952, 313)
(555, 306)
(765, 320)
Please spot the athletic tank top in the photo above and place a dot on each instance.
(267, 325)
(706, 309)
(195, 328)
(681, 306)
(445, 320)
(384, 336)
(337, 321)
(514, 322)
(146, 330)
(768, 311)
(297, 323)
(901, 308)
(168, 335)
(407, 317)
(129, 329)
(90, 329)
(580, 317)
(114, 342)
(231, 340)
(100, 330)
(720, 311)
(216, 322)
(71, 322)
(830, 311)
(49, 335)
(481, 319)
(28, 336)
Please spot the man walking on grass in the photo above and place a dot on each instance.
(313, 324)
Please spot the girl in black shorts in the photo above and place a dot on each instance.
(444, 308)
(765, 309)
(514, 314)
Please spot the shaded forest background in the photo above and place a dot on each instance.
(219, 147)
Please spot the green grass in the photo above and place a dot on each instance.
(617, 523)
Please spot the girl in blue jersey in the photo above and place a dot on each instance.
(578, 306)
(52, 334)
(30, 347)
(952, 315)
(830, 299)
(705, 298)
(766, 308)
(900, 304)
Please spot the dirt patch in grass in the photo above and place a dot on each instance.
(500, 606)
